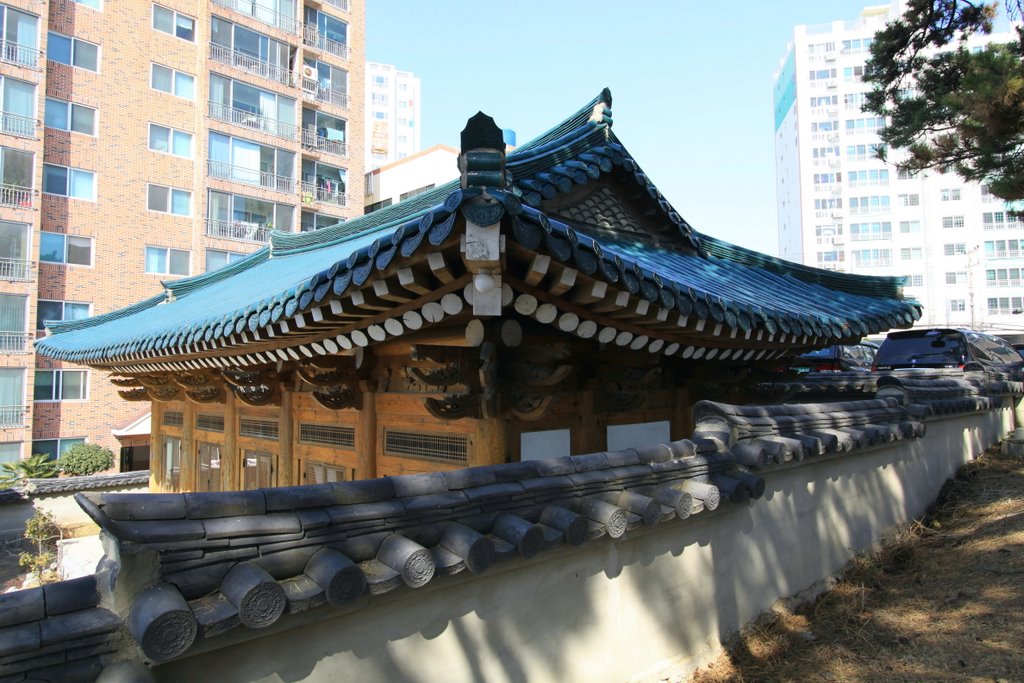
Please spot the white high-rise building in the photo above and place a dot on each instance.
(392, 114)
(842, 208)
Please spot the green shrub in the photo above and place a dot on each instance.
(86, 458)
(39, 466)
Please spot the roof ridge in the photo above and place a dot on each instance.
(61, 326)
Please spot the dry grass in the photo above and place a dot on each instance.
(944, 601)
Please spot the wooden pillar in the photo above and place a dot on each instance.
(366, 433)
(588, 433)
(682, 415)
(231, 459)
(156, 448)
(491, 447)
(285, 458)
(189, 454)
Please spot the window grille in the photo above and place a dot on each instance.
(210, 423)
(173, 418)
(257, 429)
(330, 435)
(449, 448)
(322, 473)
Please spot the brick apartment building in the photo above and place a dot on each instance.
(144, 141)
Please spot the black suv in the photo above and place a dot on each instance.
(837, 358)
(947, 348)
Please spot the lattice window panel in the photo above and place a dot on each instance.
(210, 423)
(322, 473)
(448, 448)
(173, 418)
(257, 429)
(328, 435)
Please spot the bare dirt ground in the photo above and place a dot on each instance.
(944, 601)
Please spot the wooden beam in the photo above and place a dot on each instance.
(366, 434)
(285, 461)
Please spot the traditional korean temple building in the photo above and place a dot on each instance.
(551, 289)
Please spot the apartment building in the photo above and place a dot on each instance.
(144, 141)
(840, 207)
(392, 114)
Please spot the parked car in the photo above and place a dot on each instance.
(946, 348)
(837, 358)
(1020, 349)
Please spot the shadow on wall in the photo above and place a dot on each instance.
(676, 590)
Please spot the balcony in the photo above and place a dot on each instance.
(318, 41)
(250, 65)
(15, 270)
(328, 195)
(253, 121)
(18, 125)
(1005, 283)
(318, 143)
(264, 15)
(312, 89)
(15, 342)
(22, 55)
(238, 230)
(13, 416)
(16, 196)
(249, 176)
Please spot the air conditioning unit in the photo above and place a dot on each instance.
(308, 71)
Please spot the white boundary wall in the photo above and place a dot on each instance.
(657, 603)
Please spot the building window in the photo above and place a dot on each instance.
(909, 199)
(170, 141)
(19, 108)
(257, 469)
(173, 82)
(10, 452)
(174, 23)
(21, 36)
(209, 467)
(168, 200)
(412, 193)
(72, 51)
(951, 195)
(915, 280)
(1003, 249)
(55, 247)
(216, 259)
(956, 278)
(165, 261)
(866, 258)
(377, 205)
(321, 472)
(55, 447)
(60, 310)
(13, 327)
(907, 227)
(60, 385)
(910, 253)
(957, 305)
(954, 249)
(871, 231)
(70, 116)
(952, 221)
(172, 462)
(69, 182)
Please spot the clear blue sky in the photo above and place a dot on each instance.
(691, 81)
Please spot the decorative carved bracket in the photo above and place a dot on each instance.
(254, 387)
(336, 387)
(135, 394)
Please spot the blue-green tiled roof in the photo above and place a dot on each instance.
(298, 270)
